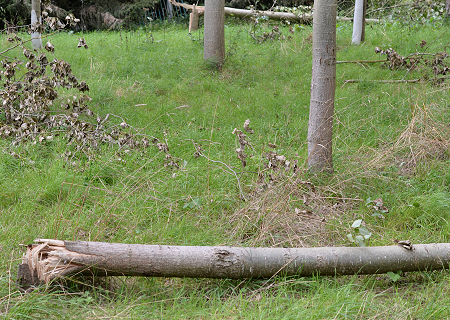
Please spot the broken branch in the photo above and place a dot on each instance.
(242, 13)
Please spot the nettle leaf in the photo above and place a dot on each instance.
(196, 202)
(393, 276)
(357, 224)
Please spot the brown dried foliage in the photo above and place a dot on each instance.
(34, 110)
(431, 65)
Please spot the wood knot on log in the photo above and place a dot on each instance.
(224, 258)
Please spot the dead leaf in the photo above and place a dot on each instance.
(246, 126)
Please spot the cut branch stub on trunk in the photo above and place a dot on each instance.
(50, 259)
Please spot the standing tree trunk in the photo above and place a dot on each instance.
(169, 7)
(323, 84)
(363, 33)
(358, 22)
(36, 20)
(447, 8)
(214, 42)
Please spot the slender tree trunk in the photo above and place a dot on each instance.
(358, 22)
(36, 19)
(50, 259)
(214, 34)
(447, 8)
(169, 7)
(363, 33)
(323, 84)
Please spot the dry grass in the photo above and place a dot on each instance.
(292, 212)
(425, 138)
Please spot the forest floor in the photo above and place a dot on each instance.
(390, 143)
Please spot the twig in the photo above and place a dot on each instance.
(382, 81)
(391, 7)
(361, 61)
(228, 167)
(22, 42)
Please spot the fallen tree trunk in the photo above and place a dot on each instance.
(50, 259)
(243, 13)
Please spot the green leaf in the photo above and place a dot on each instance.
(360, 241)
(377, 214)
(357, 223)
(366, 233)
(186, 205)
(197, 202)
(369, 201)
(350, 237)
(393, 276)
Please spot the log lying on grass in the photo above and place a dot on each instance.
(243, 13)
(50, 259)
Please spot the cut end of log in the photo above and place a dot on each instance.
(42, 263)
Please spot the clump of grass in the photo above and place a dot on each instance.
(292, 212)
(424, 139)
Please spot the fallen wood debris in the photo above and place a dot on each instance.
(362, 61)
(243, 13)
(383, 81)
(50, 259)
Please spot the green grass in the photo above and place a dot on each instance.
(131, 197)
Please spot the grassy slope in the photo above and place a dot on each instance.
(141, 201)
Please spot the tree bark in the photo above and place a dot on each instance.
(214, 32)
(50, 259)
(169, 8)
(358, 22)
(363, 33)
(323, 84)
(36, 19)
(447, 8)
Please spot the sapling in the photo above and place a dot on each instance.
(362, 234)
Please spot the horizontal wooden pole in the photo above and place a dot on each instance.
(244, 13)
